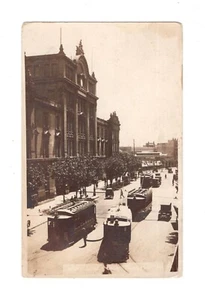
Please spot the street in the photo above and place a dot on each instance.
(152, 247)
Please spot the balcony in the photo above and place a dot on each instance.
(70, 134)
(81, 136)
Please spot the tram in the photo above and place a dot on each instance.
(126, 178)
(69, 222)
(141, 198)
(117, 233)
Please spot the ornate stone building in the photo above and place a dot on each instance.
(108, 136)
(61, 111)
(61, 106)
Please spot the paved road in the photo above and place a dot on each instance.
(151, 248)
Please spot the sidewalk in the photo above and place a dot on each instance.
(37, 217)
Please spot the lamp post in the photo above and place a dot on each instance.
(94, 190)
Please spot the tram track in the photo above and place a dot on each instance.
(123, 267)
(132, 229)
(49, 253)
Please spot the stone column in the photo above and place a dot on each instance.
(100, 148)
(64, 125)
(95, 130)
(88, 128)
(76, 127)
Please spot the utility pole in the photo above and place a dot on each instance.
(134, 147)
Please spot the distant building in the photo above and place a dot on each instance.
(170, 148)
(126, 149)
(149, 145)
(108, 136)
(153, 155)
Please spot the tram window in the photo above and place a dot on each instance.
(77, 221)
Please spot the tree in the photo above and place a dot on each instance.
(36, 177)
(77, 172)
(130, 161)
(94, 167)
(114, 167)
(87, 170)
(61, 171)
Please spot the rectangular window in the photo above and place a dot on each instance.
(78, 79)
(91, 111)
(70, 147)
(69, 73)
(106, 137)
(57, 122)
(70, 126)
(92, 129)
(79, 105)
(51, 95)
(54, 70)
(30, 70)
(70, 102)
(46, 70)
(46, 134)
(92, 88)
(37, 71)
(102, 133)
(45, 119)
(91, 148)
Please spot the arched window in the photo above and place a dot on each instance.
(81, 77)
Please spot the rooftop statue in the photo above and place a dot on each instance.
(79, 49)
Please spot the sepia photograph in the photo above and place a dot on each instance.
(102, 150)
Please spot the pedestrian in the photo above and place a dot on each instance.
(84, 232)
(106, 269)
(165, 176)
(28, 227)
(176, 188)
(121, 194)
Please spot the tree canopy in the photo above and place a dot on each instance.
(36, 176)
(76, 172)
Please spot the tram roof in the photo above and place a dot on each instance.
(139, 193)
(76, 208)
(120, 211)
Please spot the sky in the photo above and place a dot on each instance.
(138, 67)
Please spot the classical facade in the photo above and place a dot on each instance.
(61, 109)
(61, 112)
(108, 136)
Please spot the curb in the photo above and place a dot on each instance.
(53, 199)
(38, 225)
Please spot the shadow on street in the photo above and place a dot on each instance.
(109, 253)
(172, 238)
(58, 247)
(164, 219)
(140, 216)
(30, 232)
(174, 267)
(61, 245)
